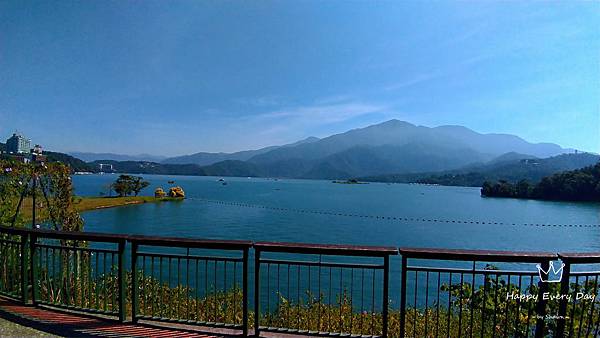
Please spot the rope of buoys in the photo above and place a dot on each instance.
(393, 218)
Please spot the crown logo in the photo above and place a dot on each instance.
(552, 274)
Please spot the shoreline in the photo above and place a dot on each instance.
(83, 204)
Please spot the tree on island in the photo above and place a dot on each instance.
(126, 185)
(576, 185)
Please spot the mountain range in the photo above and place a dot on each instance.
(205, 158)
(90, 157)
(392, 147)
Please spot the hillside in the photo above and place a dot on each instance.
(90, 157)
(501, 168)
(75, 163)
(205, 158)
(575, 185)
(144, 167)
(394, 147)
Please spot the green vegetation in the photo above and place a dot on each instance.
(74, 163)
(82, 204)
(513, 169)
(483, 310)
(576, 185)
(50, 184)
(126, 185)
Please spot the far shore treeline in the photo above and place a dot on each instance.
(575, 185)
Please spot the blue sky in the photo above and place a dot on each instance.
(177, 77)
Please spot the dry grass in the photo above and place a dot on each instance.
(89, 203)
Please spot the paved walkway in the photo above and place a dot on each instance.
(73, 325)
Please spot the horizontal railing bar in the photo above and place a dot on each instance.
(327, 249)
(14, 231)
(470, 271)
(477, 255)
(191, 243)
(325, 264)
(584, 273)
(209, 258)
(313, 332)
(79, 236)
(60, 247)
(580, 257)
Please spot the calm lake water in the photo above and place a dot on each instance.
(371, 214)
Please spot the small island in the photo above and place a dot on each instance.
(349, 181)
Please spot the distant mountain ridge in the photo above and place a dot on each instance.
(390, 148)
(205, 158)
(386, 148)
(394, 147)
(90, 157)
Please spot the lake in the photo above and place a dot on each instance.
(317, 211)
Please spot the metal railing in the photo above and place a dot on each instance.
(579, 314)
(474, 300)
(79, 271)
(188, 285)
(316, 296)
(13, 263)
(328, 290)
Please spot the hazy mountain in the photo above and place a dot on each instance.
(391, 148)
(511, 156)
(408, 158)
(400, 133)
(2, 146)
(90, 157)
(510, 170)
(499, 143)
(395, 147)
(205, 158)
(145, 167)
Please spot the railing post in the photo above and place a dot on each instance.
(34, 269)
(403, 297)
(562, 306)
(256, 292)
(122, 280)
(541, 304)
(134, 283)
(386, 277)
(245, 293)
(24, 249)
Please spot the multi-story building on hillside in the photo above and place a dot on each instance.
(18, 144)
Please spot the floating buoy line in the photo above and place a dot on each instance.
(389, 218)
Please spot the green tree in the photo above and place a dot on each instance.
(126, 185)
(139, 184)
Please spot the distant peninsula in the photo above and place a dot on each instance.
(575, 185)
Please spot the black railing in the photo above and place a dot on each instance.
(328, 290)
(13, 263)
(71, 271)
(474, 300)
(176, 281)
(317, 296)
(579, 314)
